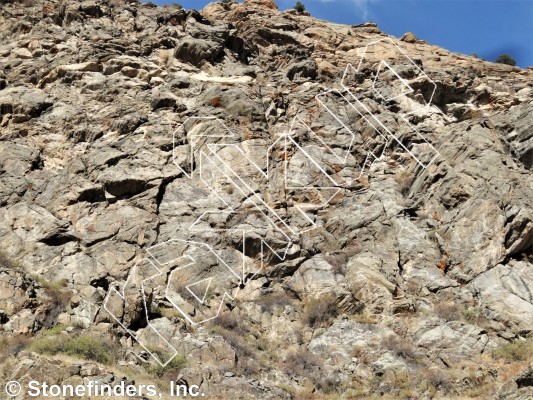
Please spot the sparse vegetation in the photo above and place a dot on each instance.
(173, 366)
(404, 180)
(299, 6)
(401, 347)
(233, 332)
(439, 379)
(59, 299)
(301, 362)
(319, 311)
(228, 322)
(518, 350)
(272, 301)
(472, 315)
(10, 345)
(505, 59)
(449, 311)
(364, 318)
(169, 313)
(84, 346)
(56, 330)
(8, 262)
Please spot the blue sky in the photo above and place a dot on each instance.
(487, 27)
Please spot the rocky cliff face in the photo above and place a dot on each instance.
(355, 210)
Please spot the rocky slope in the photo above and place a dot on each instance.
(409, 274)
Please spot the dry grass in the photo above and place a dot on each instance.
(169, 313)
(319, 311)
(364, 318)
(272, 301)
(404, 180)
(229, 322)
(301, 363)
(400, 347)
(8, 262)
(449, 311)
(58, 300)
(11, 345)
(233, 331)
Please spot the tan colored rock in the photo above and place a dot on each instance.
(409, 37)
(417, 271)
(268, 4)
(23, 53)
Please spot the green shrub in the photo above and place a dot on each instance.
(226, 1)
(518, 350)
(506, 59)
(299, 7)
(176, 364)
(56, 330)
(85, 346)
(472, 314)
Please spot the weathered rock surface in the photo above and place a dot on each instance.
(413, 279)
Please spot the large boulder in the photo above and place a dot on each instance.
(196, 51)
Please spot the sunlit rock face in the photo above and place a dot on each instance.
(284, 206)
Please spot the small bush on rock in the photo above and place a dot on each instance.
(447, 311)
(299, 7)
(59, 299)
(233, 332)
(301, 362)
(274, 300)
(399, 346)
(176, 364)
(506, 59)
(317, 312)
